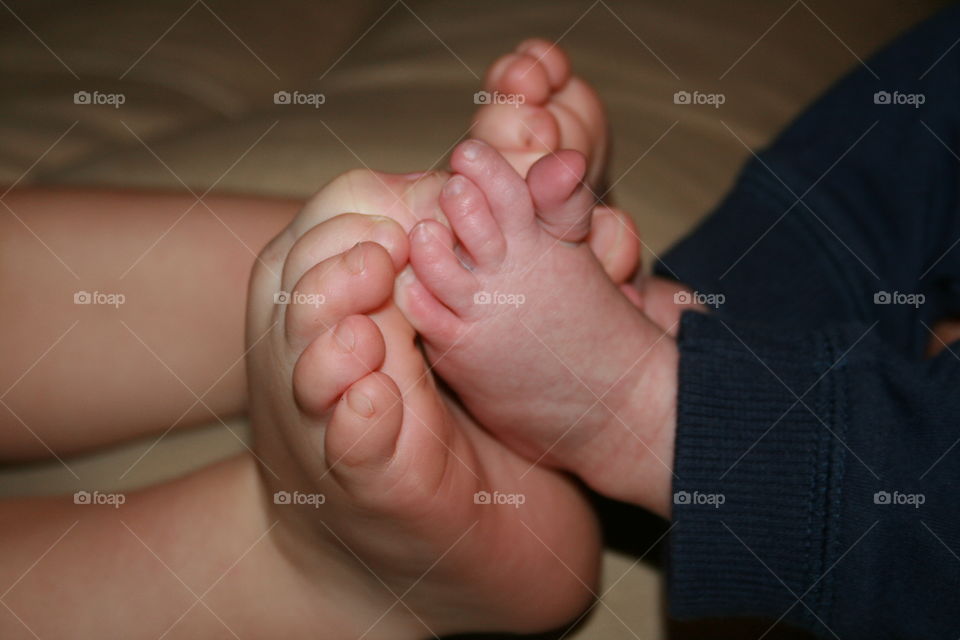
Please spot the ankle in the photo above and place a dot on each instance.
(631, 457)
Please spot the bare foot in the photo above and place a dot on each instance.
(522, 321)
(343, 406)
(559, 110)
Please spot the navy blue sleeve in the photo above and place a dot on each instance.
(858, 197)
(818, 455)
(816, 479)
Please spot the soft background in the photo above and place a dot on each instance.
(399, 79)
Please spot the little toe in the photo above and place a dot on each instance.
(563, 201)
(469, 215)
(437, 266)
(505, 191)
(358, 281)
(336, 360)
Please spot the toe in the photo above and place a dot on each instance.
(362, 433)
(437, 266)
(336, 236)
(528, 129)
(358, 281)
(519, 74)
(469, 215)
(505, 191)
(436, 324)
(615, 242)
(336, 360)
(562, 200)
(551, 56)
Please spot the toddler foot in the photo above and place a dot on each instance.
(344, 407)
(560, 110)
(542, 347)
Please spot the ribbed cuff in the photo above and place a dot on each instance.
(754, 469)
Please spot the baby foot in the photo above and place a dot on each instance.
(343, 406)
(521, 320)
(560, 110)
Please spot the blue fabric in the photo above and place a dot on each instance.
(805, 402)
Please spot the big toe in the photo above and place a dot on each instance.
(563, 201)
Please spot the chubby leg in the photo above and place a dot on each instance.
(198, 557)
(122, 370)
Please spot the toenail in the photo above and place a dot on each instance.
(421, 232)
(471, 150)
(360, 403)
(354, 259)
(344, 338)
(454, 186)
